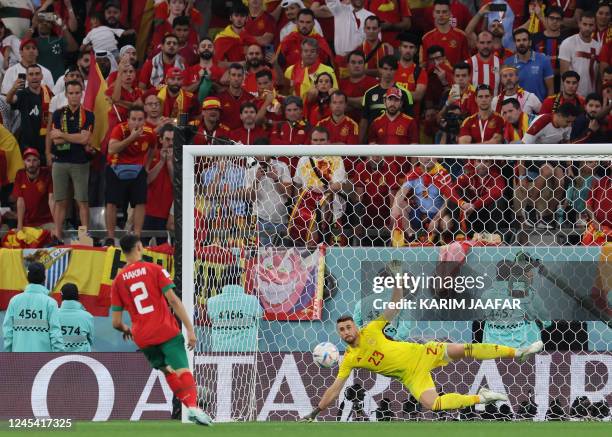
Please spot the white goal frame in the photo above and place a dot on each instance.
(573, 152)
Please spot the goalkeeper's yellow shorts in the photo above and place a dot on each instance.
(428, 356)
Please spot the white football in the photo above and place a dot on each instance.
(326, 355)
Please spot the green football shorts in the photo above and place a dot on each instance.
(170, 353)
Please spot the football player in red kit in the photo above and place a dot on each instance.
(145, 289)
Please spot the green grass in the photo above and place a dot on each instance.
(149, 428)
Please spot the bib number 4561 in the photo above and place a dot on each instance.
(140, 287)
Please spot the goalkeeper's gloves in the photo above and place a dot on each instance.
(312, 416)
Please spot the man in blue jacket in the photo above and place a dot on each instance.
(31, 323)
(77, 324)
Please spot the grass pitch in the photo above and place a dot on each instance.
(149, 428)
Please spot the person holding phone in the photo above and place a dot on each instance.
(32, 101)
(28, 50)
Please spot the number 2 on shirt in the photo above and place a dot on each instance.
(140, 287)
(376, 358)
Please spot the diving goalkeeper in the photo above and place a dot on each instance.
(411, 363)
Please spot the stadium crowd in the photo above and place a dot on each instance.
(91, 90)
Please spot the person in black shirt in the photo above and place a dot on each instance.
(548, 40)
(588, 128)
(68, 148)
(33, 105)
(374, 98)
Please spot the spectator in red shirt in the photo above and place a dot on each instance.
(231, 42)
(318, 97)
(129, 149)
(569, 93)
(293, 130)
(234, 97)
(290, 50)
(201, 78)
(481, 187)
(342, 129)
(123, 94)
(187, 36)
(485, 127)
(249, 131)
(408, 74)
(260, 24)
(440, 76)
(372, 47)
(152, 107)
(395, 16)
(453, 40)
(393, 126)
(160, 172)
(211, 126)
(33, 192)
(269, 103)
(462, 93)
(255, 62)
(599, 204)
(516, 121)
(154, 70)
(175, 101)
(375, 180)
(357, 83)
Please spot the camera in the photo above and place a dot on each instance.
(451, 123)
(356, 394)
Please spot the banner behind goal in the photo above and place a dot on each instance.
(276, 248)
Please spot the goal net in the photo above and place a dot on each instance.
(501, 244)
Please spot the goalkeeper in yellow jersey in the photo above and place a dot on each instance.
(411, 363)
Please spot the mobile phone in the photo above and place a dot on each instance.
(456, 90)
(497, 7)
(268, 48)
(21, 76)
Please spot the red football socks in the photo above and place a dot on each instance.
(184, 388)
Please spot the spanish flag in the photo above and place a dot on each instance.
(96, 102)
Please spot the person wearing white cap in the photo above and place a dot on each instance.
(292, 7)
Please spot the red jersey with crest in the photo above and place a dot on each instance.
(401, 130)
(139, 288)
(136, 152)
(230, 108)
(345, 132)
(454, 43)
(482, 130)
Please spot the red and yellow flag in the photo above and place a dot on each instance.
(96, 102)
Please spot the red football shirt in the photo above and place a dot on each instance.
(402, 130)
(345, 132)
(116, 113)
(230, 108)
(159, 205)
(258, 26)
(389, 11)
(356, 89)
(454, 42)
(248, 136)
(136, 152)
(139, 288)
(482, 130)
(35, 194)
(377, 182)
(404, 76)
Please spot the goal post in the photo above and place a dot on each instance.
(273, 251)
